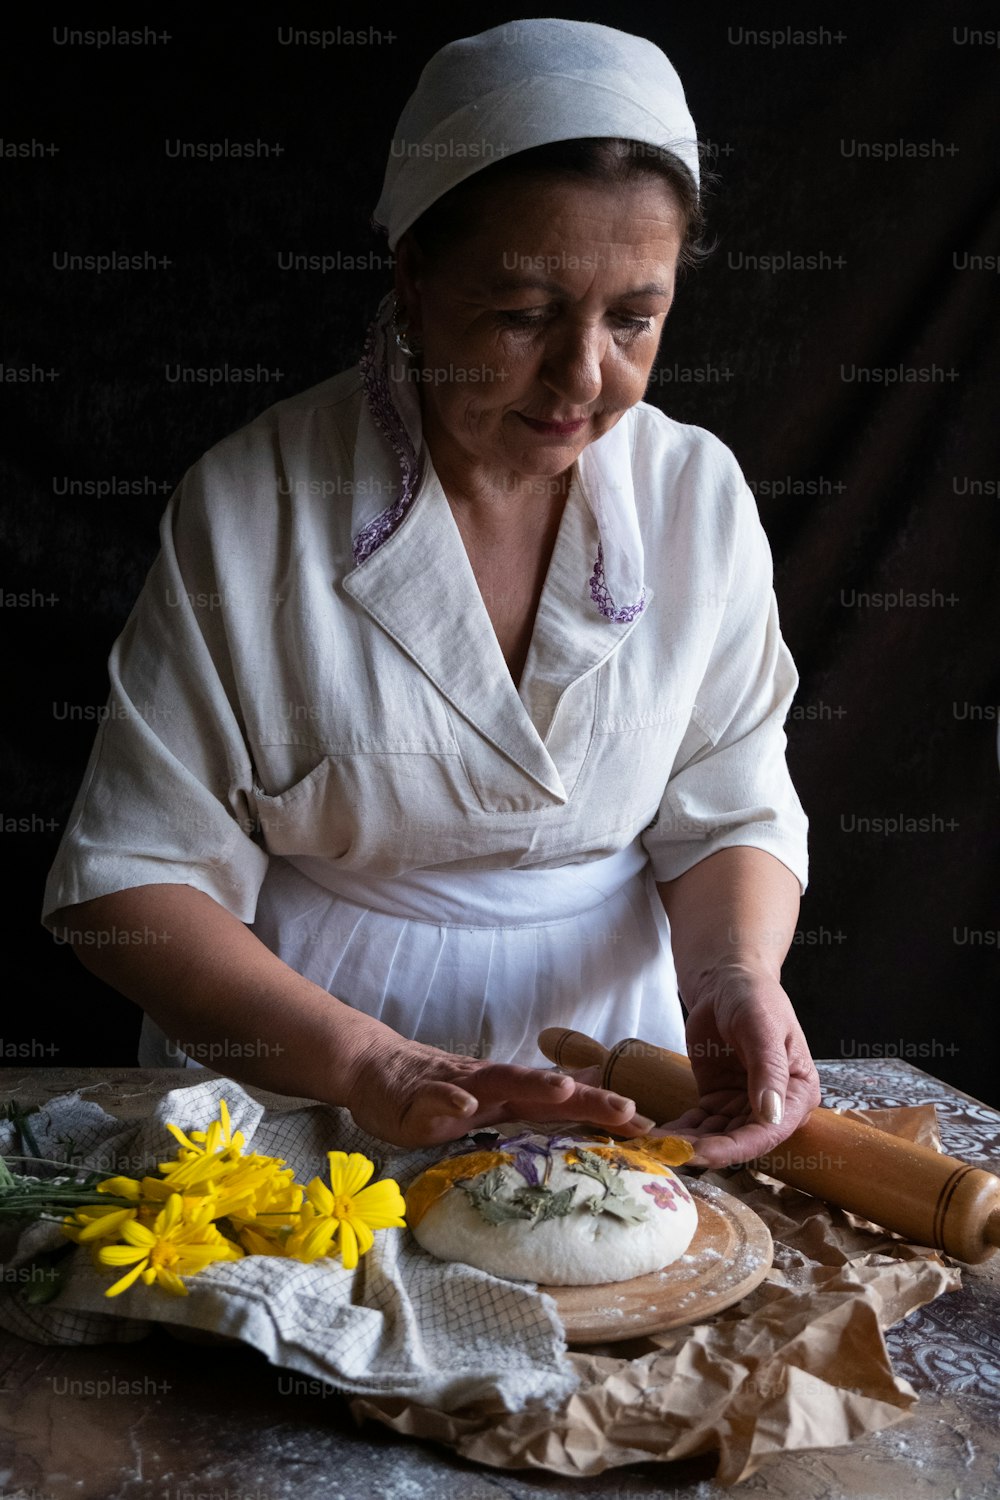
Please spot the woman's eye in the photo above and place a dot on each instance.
(523, 317)
(630, 328)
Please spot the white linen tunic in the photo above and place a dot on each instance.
(338, 755)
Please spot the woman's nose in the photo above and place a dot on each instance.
(572, 364)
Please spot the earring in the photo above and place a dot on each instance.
(402, 334)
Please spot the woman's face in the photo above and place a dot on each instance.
(540, 327)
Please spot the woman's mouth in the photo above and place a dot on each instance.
(555, 429)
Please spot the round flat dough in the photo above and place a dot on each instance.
(592, 1216)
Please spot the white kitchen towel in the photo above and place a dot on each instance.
(401, 1324)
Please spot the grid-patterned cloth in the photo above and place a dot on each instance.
(401, 1324)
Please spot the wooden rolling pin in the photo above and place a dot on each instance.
(928, 1198)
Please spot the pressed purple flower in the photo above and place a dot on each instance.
(526, 1163)
(524, 1142)
(529, 1150)
(661, 1194)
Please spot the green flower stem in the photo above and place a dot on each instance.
(23, 1197)
(52, 1206)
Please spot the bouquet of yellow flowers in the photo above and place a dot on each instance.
(214, 1201)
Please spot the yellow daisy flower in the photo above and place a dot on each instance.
(210, 1163)
(96, 1222)
(272, 1197)
(258, 1241)
(121, 1187)
(207, 1142)
(347, 1211)
(181, 1242)
(243, 1188)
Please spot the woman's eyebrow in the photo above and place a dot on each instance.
(520, 283)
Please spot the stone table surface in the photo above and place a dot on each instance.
(175, 1420)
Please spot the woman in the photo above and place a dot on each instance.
(459, 677)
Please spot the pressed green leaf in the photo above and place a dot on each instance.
(543, 1203)
(528, 1204)
(616, 1201)
(593, 1166)
(622, 1206)
(483, 1193)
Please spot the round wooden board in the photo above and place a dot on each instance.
(730, 1254)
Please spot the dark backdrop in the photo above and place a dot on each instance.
(843, 341)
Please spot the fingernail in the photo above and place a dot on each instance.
(642, 1122)
(463, 1104)
(617, 1102)
(771, 1107)
(556, 1080)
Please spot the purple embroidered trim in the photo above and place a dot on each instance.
(603, 600)
(390, 424)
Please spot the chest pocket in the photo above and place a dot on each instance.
(372, 778)
(379, 810)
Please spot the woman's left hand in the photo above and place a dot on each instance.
(744, 1040)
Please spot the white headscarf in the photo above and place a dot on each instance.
(480, 99)
(527, 84)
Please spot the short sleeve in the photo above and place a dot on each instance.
(729, 784)
(167, 794)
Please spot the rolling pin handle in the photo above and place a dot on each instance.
(570, 1049)
(991, 1229)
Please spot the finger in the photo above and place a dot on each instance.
(721, 1124)
(800, 1101)
(504, 1091)
(590, 1075)
(691, 1119)
(497, 1083)
(766, 1054)
(439, 1111)
(638, 1125)
(710, 1114)
(728, 1112)
(583, 1104)
(739, 1147)
(595, 1106)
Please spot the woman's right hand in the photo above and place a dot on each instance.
(415, 1095)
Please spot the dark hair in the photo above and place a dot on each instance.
(599, 159)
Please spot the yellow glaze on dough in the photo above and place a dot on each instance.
(645, 1154)
(668, 1150)
(435, 1182)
